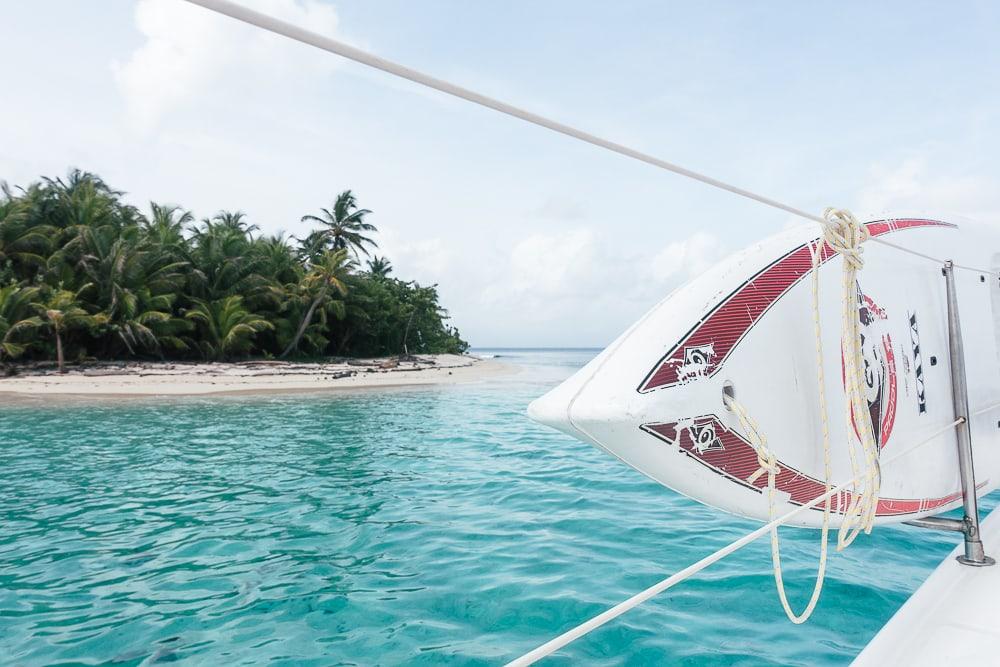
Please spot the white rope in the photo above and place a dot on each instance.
(269, 23)
(845, 235)
(292, 31)
(769, 464)
(562, 640)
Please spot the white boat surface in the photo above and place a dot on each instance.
(655, 397)
(954, 617)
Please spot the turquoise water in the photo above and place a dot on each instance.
(421, 526)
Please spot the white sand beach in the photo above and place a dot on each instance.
(261, 377)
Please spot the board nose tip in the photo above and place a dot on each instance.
(549, 409)
(553, 410)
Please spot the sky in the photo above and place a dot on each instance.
(534, 239)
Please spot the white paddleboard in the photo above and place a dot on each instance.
(654, 397)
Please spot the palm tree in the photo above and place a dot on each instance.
(328, 274)
(134, 285)
(345, 227)
(234, 221)
(165, 227)
(84, 200)
(225, 261)
(78, 179)
(277, 260)
(145, 278)
(379, 267)
(20, 241)
(227, 326)
(62, 311)
(16, 306)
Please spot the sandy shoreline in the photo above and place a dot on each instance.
(125, 379)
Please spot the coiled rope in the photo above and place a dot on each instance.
(845, 236)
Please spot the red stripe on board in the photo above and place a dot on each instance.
(709, 343)
(709, 442)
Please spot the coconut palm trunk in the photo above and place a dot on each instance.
(59, 350)
(56, 317)
(306, 321)
(406, 350)
(328, 272)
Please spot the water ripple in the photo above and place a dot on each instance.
(413, 526)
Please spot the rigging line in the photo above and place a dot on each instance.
(562, 640)
(271, 24)
(936, 260)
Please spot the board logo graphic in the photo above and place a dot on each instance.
(696, 363)
(918, 365)
(704, 437)
(878, 368)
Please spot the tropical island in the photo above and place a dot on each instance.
(90, 284)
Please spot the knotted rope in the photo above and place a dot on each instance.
(845, 236)
(768, 463)
(843, 233)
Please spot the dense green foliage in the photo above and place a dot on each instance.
(85, 275)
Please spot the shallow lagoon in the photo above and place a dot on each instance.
(420, 526)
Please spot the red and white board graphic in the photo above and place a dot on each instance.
(654, 397)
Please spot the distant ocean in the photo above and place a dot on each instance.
(406, 526)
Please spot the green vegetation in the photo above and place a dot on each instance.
(83, 275)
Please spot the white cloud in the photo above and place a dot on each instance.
(427, 260)
(582, 263)
(560, 209)
(554, 264)
(686, 257)
(925, 187)
(588, 282)
(189, 50)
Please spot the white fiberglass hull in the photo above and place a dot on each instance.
(654, 397)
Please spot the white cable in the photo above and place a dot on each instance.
(936, 260)
(554, 645)
(299, 34)
(265, 22)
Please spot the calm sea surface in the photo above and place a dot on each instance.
(419, 526)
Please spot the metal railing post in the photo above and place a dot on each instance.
(974, 554)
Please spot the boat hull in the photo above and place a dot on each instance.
(654, 398)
